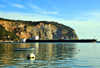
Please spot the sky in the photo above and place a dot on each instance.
(81, 15)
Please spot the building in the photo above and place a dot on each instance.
(34, 38)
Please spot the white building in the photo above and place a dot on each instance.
(34, 38)
(22, 40)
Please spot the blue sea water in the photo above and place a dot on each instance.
(50, 55)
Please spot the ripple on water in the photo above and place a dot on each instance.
(1, 66)
(12, 66)
(19, 59)
(67, 65)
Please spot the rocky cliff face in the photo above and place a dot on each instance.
(44, 31)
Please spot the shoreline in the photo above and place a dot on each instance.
(62, 40)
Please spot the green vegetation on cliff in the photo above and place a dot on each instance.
(6, 35)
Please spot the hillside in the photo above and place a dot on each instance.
(44, 29)
(6, 35)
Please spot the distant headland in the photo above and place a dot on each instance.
(19, 29)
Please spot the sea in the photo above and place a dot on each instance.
(50, 55)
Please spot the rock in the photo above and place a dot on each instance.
(43, 30)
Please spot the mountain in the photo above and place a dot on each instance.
(44, 29)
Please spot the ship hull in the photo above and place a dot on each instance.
(89, 40)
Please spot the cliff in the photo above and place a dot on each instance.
(44, 29)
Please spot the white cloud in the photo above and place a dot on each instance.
(5, 0)
(23, 16)
(18, 5)
(19, 1)
(38, 9)
(34, 6)
(2, 6)
(87, 15)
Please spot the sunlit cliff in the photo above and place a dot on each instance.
(44, 29)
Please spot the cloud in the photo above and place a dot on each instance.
(23, 16)
(34, 7)
(19, 1)
(2, 6)
(83, 16)
(18, 5)
(46, 12)
(5, 0)
(38, 9)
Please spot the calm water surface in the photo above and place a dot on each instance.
(50, 55)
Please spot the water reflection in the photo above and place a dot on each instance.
(46, 54)
(55, 51)
(6, 54)
(24, 45)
